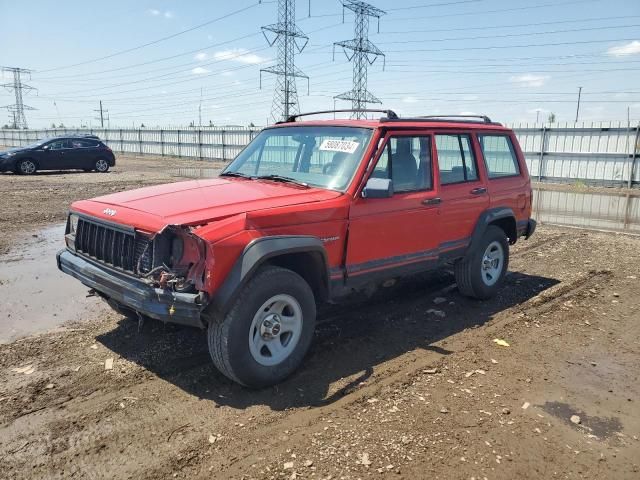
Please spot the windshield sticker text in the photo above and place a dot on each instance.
(345, 146)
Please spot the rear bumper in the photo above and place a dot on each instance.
(531, 227)
(164, 305)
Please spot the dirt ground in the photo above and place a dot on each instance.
(409, 383)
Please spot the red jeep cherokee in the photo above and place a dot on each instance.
(306, 213)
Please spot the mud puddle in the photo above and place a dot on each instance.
(35, 295)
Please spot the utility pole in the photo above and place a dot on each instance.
(200, 110)
(578, 107)
(16, 110)
(362, 52)
(102, 113)
(289, 39)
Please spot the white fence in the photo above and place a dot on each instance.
(578, 157)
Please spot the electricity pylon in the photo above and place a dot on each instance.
(289, 39)
(362, 53)
(17, 109)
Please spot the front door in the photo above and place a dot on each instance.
(463, 190)
(55, 156)
(396, 235)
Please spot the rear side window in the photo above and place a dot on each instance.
(76, 143)
(499, 156)
(455, 159)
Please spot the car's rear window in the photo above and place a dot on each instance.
(499, 155)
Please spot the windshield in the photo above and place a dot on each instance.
(320, 156)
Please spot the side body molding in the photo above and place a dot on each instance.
(258, 252)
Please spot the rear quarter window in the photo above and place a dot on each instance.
(499, 156)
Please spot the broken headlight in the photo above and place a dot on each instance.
(73, 223)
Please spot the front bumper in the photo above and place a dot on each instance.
(164, 305)
(7, 164)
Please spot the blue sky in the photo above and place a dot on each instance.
(507, 59)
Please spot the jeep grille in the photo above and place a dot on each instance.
(116, 248)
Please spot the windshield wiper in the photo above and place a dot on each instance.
(234, 174)
(282, 178)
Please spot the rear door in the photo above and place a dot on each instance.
(463, 190)
(393, 236)
(82, 153)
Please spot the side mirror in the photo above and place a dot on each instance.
(46, 147)
(378, 188)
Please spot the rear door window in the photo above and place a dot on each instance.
(456, 160)
(499, 156)
(77, 143)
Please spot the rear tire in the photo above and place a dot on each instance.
(480, 274)
(267, 331)
(26, 167)
(101, 165)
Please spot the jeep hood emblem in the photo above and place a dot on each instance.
(109, 211)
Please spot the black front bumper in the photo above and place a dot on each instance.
(165, 305)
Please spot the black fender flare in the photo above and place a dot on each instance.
(257, 253)
(486, 218)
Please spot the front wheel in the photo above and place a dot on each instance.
(26, 167)
(480, 274)
(267, 331)
(101, 165)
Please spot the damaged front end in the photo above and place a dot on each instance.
(157, 275)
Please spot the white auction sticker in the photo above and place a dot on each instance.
(345, 146)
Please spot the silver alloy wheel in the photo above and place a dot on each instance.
(275, 330)
(102, 165)
(492, 263)
(27, 167)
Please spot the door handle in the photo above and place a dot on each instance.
(479, 191)
(432, 201)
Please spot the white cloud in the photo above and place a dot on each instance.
(530, 80)
(240, 55)
(226, 73)
(467, 113)
(200, 56)
(631, 48)
(199, 71)
(409, 100)
(154, 12)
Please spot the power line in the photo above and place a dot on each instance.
(154, 42)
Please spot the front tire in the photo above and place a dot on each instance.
(480, 274)
(267, 331)
(101, 166)
(26, 167)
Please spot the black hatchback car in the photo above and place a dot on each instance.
(86, 153)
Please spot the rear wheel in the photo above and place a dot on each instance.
(267, 332)
(26, 167)
(481, 274)
(101, 165)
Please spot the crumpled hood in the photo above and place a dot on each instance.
(196, 202)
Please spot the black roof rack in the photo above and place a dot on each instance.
(391, 115)
(454, 118)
